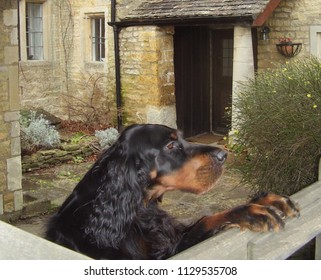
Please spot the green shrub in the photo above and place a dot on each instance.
(278, 121)
(37, 133)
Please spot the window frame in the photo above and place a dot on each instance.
(98, 41)
(23, 30)
(34, 31)
(315, 40)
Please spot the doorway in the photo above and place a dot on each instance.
(203, 60)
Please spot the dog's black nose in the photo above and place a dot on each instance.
(220, 155)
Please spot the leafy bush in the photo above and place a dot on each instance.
(107, 137)
(278, 121)
(37, 133)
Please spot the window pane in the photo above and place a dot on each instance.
(36, 25)
(37, 39)
(98, 39)
(227, 57)
(34, 31)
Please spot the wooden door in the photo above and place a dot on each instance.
(222, 78)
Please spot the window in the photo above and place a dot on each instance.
(98, 39)
(34, 31)
(315, 40)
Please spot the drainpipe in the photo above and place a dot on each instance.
(117, 65)
(19, 46)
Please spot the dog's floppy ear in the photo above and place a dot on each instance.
(119, 196)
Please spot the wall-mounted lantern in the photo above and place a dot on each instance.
(265, 33)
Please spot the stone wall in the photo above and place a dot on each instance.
(293, 19)
(10, 160)
(147, 71)
(47, 158)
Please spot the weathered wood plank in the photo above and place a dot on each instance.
(16, 244)
(308, 195)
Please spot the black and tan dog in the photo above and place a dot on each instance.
(113, 212)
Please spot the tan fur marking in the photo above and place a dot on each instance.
(198, 175)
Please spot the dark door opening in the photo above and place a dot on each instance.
(191, 51)
(203, 60)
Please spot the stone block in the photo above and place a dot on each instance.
(10, 17)
(18, 200)
(15, 129)
(14, 96)
(242, 37)
(14, 173)
(47, 152)
(14, 36)
(70, 147)
(162, 115)
(15, 146)
(12, 116)
(11, 55)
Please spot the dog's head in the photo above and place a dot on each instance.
(172, 162)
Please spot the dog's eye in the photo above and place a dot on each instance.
(170, 146)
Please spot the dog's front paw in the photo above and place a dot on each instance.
(256, 217)
(265, 212)
(281, 202)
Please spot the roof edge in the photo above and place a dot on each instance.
(248, 20)
(269, 9)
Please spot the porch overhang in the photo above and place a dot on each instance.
(201, 12)
(248, 20)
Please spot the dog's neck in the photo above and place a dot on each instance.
(156, 192)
